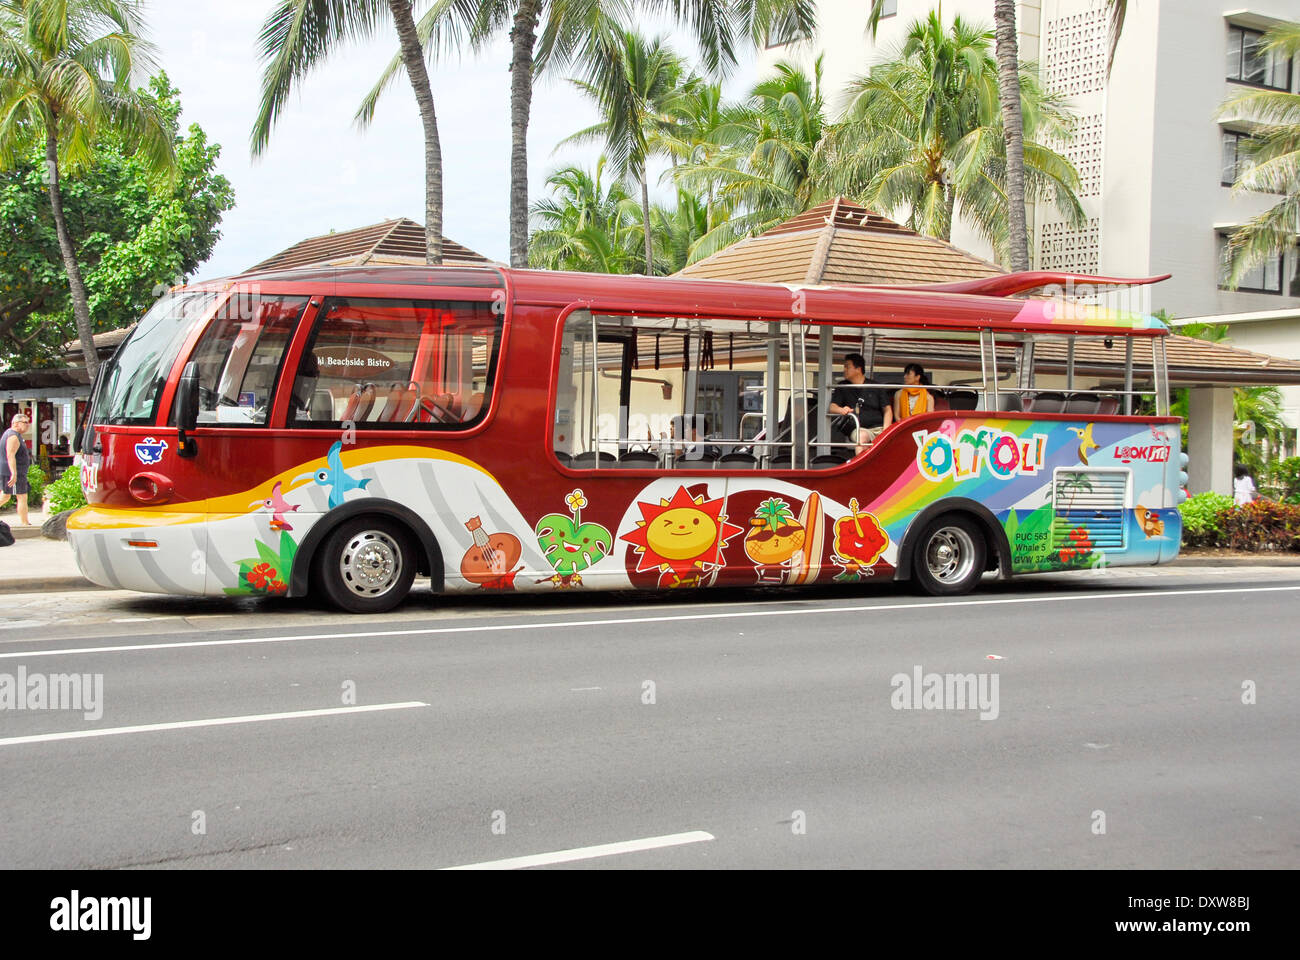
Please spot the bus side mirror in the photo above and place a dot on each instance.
(187, 410)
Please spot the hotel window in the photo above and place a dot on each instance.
(1248, 63)
(1265, 277)
(1236, 156)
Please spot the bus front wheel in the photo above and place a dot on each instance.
(949, 557)
(367, 565)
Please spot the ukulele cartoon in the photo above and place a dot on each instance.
(490, 562)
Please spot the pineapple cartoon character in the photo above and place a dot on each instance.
(775, 539)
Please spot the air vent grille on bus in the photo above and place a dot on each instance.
(1090, 500)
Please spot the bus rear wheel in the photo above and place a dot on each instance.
(367, 565)
(949, 557)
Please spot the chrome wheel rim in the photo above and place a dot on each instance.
(371, 563)
(950, 555)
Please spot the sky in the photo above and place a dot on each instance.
(321, 173)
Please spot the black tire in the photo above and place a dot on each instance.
(949, 556)
(367, 565)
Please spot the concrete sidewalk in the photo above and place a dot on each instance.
(34, 564)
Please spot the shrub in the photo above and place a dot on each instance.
(1262, 525)
(1202, 519)
(1285, 476)
(65, 492)
(36, 481)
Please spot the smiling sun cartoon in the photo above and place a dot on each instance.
(683, 538)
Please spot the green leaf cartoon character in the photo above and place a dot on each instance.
(570, 545)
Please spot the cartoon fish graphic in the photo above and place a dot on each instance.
(278, 507)
(335, 477)
(1150, 522)
(1086, 443)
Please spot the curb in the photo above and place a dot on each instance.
(45, 584)
(25, 533)
(1261, 561)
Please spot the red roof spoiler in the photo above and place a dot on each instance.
(1009, 284)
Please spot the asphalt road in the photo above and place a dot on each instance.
(751, 729)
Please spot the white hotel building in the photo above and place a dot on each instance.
(1155, 162)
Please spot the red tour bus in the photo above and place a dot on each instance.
(342, 431)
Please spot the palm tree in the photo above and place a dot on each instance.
(585, 225)
(298, 35)
(923, 132)
(1275, 164)
(556, 34)
(633, 90)
(678, 231)
(66, 73)
(1008, 55)
(765, 161)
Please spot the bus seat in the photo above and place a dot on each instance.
(1108, 406)
(963, 400)
(638, 460)
(737, 461)
(940, 399)
(354, 401)
(588, 460)
(405, 404)
(564, 458)
(1080, 403)
(1009, 402)
(365, 403)
(1047, 403)
(392, 401)
(472, 408)
(826, 461)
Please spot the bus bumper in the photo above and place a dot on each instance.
(157, 558)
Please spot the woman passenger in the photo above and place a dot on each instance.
(913, 399)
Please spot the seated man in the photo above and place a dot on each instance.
(854, 396)
(913, 399)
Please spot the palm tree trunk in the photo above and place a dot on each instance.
(645, 220)
(523, 35)
(1004, 16)
(80, 300)
(413, 59)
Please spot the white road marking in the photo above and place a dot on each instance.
(589, 853)
(581, 689)
(14, 624)
(802, 611)
(212, 722)
(138, 619)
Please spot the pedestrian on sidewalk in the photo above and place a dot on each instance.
(15, 458)
(1243, 487)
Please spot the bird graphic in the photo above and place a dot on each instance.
(335, 477)
(1086, 442)
(278, 507)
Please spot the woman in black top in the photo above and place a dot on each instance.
(15, 458)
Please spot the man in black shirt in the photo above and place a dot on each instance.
(868, 405)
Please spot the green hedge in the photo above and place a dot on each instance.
(65, 492)
(1213, 520)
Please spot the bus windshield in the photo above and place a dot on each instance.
(132, 380)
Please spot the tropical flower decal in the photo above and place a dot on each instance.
(268, 573)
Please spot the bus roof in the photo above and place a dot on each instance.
(985, 303)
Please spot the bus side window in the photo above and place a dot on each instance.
(397, 364)
(239, 357)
